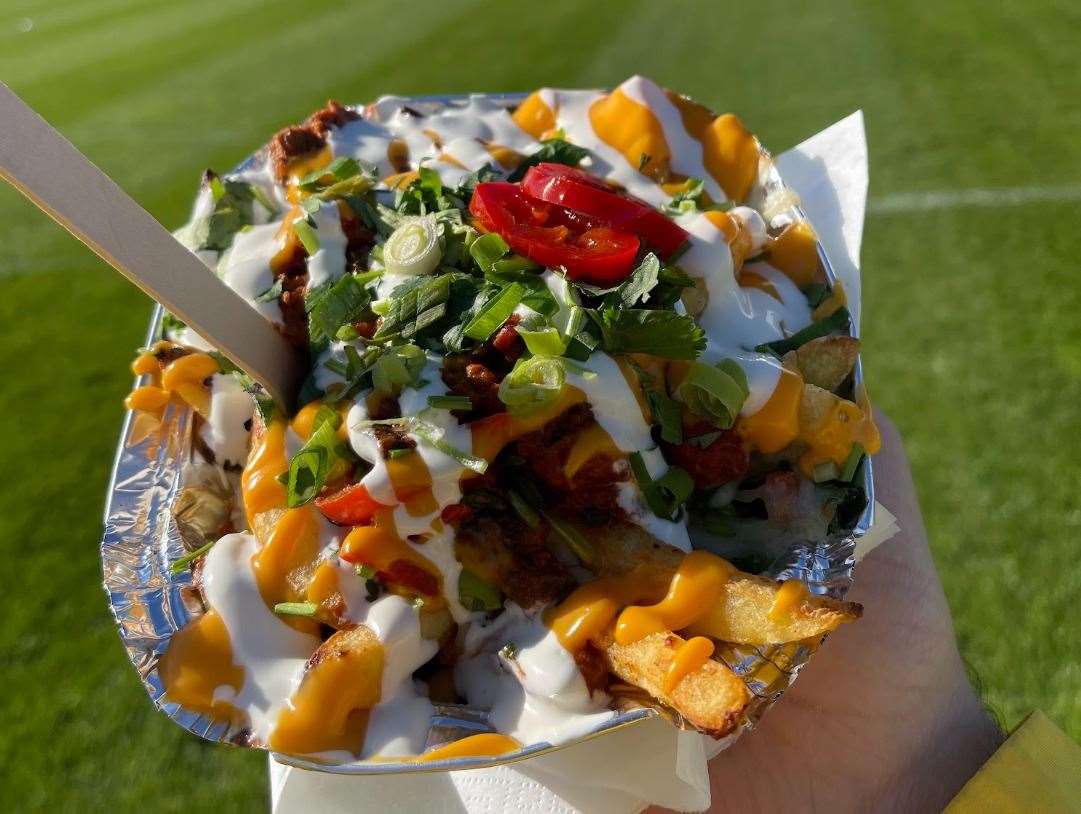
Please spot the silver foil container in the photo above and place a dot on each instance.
(142, 537)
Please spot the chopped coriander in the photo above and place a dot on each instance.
(660, 333)
(552, 151)
(636, 287)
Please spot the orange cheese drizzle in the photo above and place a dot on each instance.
(632, 129)
(486, 744)
(199, 660)
(690, 656)
(790, 596)
(183, 377)
(588, 613)
(329, 710)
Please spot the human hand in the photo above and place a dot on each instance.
(883, 717)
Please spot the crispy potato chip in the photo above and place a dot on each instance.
(711, 698)
(826, 362)
(815, 406)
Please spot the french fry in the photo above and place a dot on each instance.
(711, 698)
(741, 614)
(341, 682)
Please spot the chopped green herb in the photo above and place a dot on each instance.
(852, 462)
(667, 413)
(400, 452)
(582, 548)
(524, 510)
(837, 321)
(665, 495)
(495, 313)
(660, 333)
(364, 571)
(477, 595)
(305, 233)
(434, 436)
(181, 564)
(296, 608)
(552, 151)
(487, 250)
(636, 288)
(450, 402)
(332, 307)
(816, 294)
(421, 305)
(272, 293)
(715, 392)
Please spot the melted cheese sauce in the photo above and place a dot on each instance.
(241, 662)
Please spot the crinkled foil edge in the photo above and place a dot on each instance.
(149, 605)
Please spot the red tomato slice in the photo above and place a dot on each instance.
(582, 192)
(351, 506)
(553, 235)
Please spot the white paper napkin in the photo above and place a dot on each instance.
(651, 762)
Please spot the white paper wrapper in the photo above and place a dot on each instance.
(651, 762)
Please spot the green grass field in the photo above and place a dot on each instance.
(973, 344)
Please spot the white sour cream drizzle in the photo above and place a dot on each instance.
(536, 696)
(616, 409)
(272, 654)
(226, 428)
(246, 269)
(328, 263)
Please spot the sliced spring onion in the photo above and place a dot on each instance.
(667, 414)
(852, 462)
(296, 608)
(543, 342)
(816, 294)
(477, 595)
(414, 247)
(364, 571)
(434, 436)
(715, 392)
(333, 307)
(487, 249)
(827, 470)
(665, 495)
(450, 402)
(305, 233)
(400, 452)
(532, 383)
(515, 264)
(397, 367)
(495, 312)
(181, 564)
(525, 511)
(837, 321)
(582, 548)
